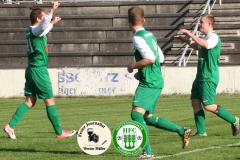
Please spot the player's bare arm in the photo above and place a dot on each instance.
(140, 64)
(55, 5)
(46, 23)
(201, 42)
(55, 20)
(191, 43)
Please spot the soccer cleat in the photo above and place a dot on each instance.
(235, 127)
(186, 137)
(200, 135)
(144, 155)
(66, 134)
(10, 131)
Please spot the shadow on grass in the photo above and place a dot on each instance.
(20, 150)
(233, 146)
(39, 151)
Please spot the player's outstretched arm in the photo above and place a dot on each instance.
(200, 41)
(191, 43)
(55, 5)
(47, 23)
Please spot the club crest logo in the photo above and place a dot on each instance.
(129, 137)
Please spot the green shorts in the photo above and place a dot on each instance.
(146, 98)
(205, 91)
(38, 83)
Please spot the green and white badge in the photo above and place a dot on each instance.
(129, 137)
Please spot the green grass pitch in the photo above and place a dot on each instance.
(36, 139)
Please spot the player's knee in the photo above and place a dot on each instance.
(150, 120)
(49, 102)
(196, 104)
(211, 108)
(30, 104)
(136, 115)
(206, 107)
(30, 101)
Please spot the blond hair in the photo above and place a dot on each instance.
(210, 18)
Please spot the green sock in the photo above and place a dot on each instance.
(165, 124)
(199, 118)
(224, 114)
(20, 112)
(54, 119)
(136, 116)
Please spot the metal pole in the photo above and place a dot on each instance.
(220, 2)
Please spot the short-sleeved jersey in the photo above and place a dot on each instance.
(208, 62)
(37, 50)
(151, 75)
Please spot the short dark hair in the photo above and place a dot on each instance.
(36, 13)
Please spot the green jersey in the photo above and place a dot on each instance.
(37, 50)
(151, 75)
(208, 62)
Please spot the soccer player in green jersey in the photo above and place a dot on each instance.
(38, 84)
(148, 56)
(203, 91)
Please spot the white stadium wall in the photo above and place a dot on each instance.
(114, 81)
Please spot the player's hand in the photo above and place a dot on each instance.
(136, 76)
(55, 5)
(177, 37)
(129, 68)
(55, 19)
(186, 32)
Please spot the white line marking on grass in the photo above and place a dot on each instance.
(197, 150)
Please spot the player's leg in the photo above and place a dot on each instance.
(157, 121)
(199, 117)
(209, 94)
(43, 89)
(55, 120)
(23, 108)
(18, 115)
(137, 114)
(52, 115)
(163, 123)
(199, 114)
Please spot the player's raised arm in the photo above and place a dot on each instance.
(55, 5)
(45, 23)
